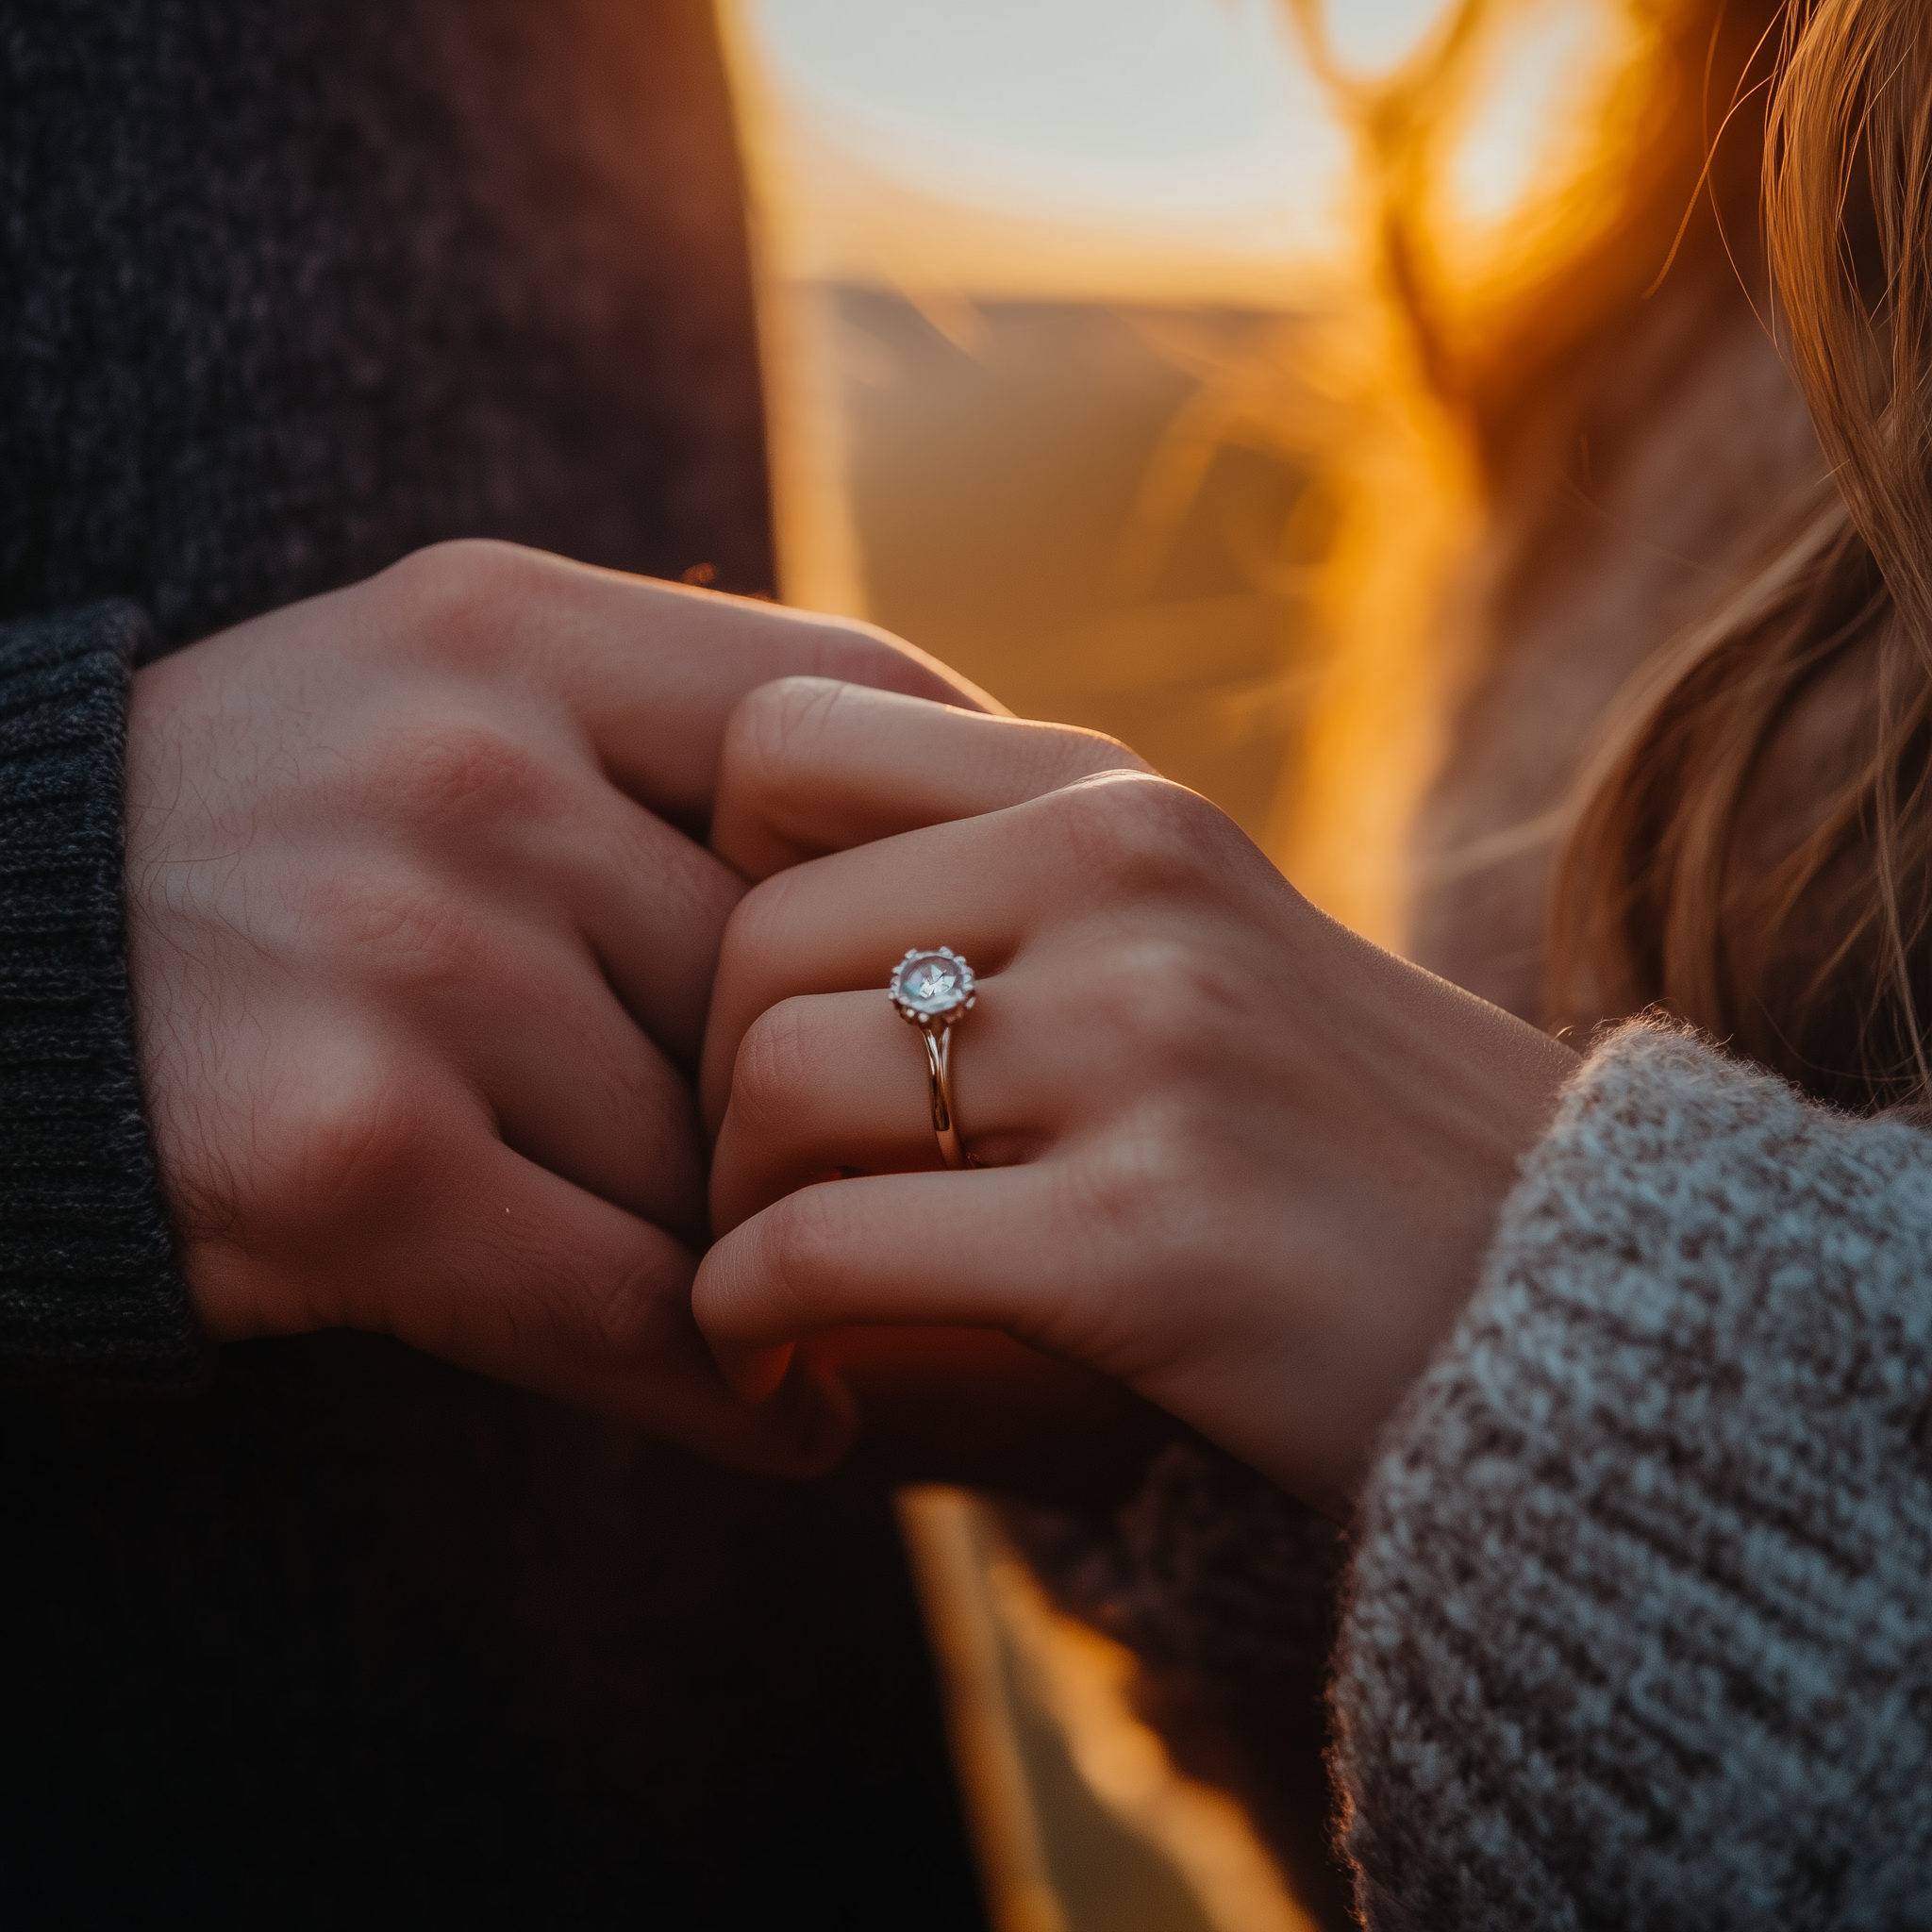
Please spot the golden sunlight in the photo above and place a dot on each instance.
(1370, 40)
(1523, 134)
(1087, 149)
(1081, 373)
(1530, 105)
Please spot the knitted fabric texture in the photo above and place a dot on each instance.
(286, 292)
(88, 1280)
(1640, 1630)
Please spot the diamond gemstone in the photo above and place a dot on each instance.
(932, 983)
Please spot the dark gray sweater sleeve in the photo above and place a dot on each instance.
(1640, 1625)
(89, 1286)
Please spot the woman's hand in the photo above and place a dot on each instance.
(421, 963)
(1230, 1153)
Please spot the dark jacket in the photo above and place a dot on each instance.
(347, 1636)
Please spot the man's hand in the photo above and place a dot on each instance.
(421, 966)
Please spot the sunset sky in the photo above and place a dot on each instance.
(1114, 147)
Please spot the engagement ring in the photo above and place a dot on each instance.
(932, 989)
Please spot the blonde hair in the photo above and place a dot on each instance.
(1753, 845)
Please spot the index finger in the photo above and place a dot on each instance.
(812, 766)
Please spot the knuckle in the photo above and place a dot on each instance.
(398, 932)
(458, 773)
(1178, 1144)
(756, 932)
(351, 1142)
(1066, 754)
(1106, 1201)
(1140, 1187)
(1138, 832)
(1169, 1005)
(1145, 1229)
(774, 728)
(460, 574)
(455, 592)
(626, 1316)
(800, 1245)
(857, 653)
(772, 1076)
(1113, 1188)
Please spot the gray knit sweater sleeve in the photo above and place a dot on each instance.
(1639, 1626)
(89, 1286)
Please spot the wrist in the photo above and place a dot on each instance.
(1492, 1107)
(1423, 1107)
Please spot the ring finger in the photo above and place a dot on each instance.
(991, 886)
(839, 1083)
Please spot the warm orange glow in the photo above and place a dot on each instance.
(1372, 43)
(1555, 93)
(1401, 477)
(1085, 149)
(1490, 152)
(1094, 1772)
(1479, 131)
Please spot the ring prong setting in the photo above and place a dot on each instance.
(931, 987)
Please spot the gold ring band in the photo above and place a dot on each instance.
(939, 1051)
(933, 989)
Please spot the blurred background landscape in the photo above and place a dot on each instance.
(1083, 375)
